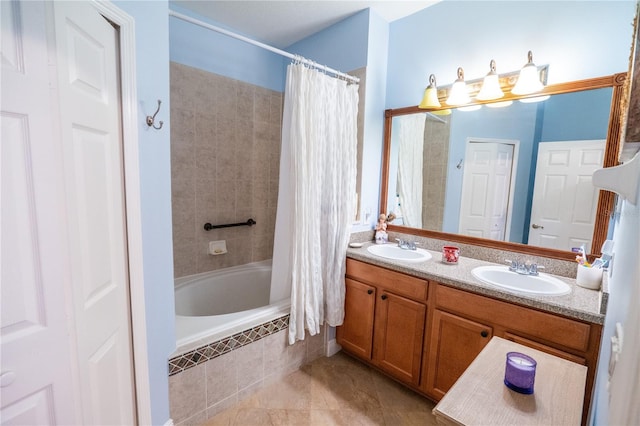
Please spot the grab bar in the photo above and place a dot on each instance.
(209, 227)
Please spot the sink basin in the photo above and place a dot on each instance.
(501, 276)
(392, 251)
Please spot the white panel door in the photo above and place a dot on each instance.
(564, 200)
(37, 386)
(66, 340)
(94, 184)
(486, 189)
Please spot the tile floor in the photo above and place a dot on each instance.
(330, 391)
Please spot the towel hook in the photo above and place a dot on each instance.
(151, 119)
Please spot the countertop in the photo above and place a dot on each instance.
(581, 303)
(479, 397)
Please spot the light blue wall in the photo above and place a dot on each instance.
(374, 114)
(578, 39)
(624, 275)
(577, 116)
(342, 46)
(220, 54)
(152, 76)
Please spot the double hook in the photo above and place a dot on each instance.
(151, 118)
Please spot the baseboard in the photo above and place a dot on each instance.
(332, 348)
(169, 422)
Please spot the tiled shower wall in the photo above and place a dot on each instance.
(225, 156)
(436, 160)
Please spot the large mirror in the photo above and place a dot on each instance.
(516, 176)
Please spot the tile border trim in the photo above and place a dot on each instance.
(214, 349)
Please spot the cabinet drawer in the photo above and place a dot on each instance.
(526, 321)
(396, 282)
(545, 348)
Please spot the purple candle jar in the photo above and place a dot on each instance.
(520, 372)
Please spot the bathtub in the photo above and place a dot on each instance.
(214, 305)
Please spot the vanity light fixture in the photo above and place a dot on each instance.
(528, 81)
(458, 94)
(490, 86)
(430, 98)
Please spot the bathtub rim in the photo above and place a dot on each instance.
(192, 332)
(189, 279)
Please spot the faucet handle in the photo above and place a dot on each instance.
(534, 268)
(513, 264)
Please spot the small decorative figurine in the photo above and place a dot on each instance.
(381, 230)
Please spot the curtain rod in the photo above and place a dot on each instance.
(262, 45)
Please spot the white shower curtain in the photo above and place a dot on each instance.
(410, 147)
(315, 198)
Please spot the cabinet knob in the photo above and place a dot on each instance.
(383, 297)
(369, 291)
(484, 333)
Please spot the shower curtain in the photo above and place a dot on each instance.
(315, 197)
(411, 142)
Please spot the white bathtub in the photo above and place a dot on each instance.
(218, 304)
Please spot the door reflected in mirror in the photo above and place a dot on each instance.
(520, 173)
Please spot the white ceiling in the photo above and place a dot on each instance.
(282, 23)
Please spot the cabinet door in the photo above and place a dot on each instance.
(399, 330)
(355, 335)
(455, 342)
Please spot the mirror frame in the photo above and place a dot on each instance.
(606, 199)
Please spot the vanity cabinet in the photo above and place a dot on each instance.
(385, 318)
(426, 334)
(461, 320)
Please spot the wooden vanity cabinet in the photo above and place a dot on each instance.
(385, 317)
(461, 319)
(426, 334)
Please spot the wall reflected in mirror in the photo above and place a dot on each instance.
(520, 173)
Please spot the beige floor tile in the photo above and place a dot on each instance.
(330, 391)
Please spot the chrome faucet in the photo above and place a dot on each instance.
(524, 268)
(406, 244)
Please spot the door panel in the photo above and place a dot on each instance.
(34, 328)
(564, 200)
(356, 332)
(66, 340)
(94, 184)
(455, 342)
(398, 336)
